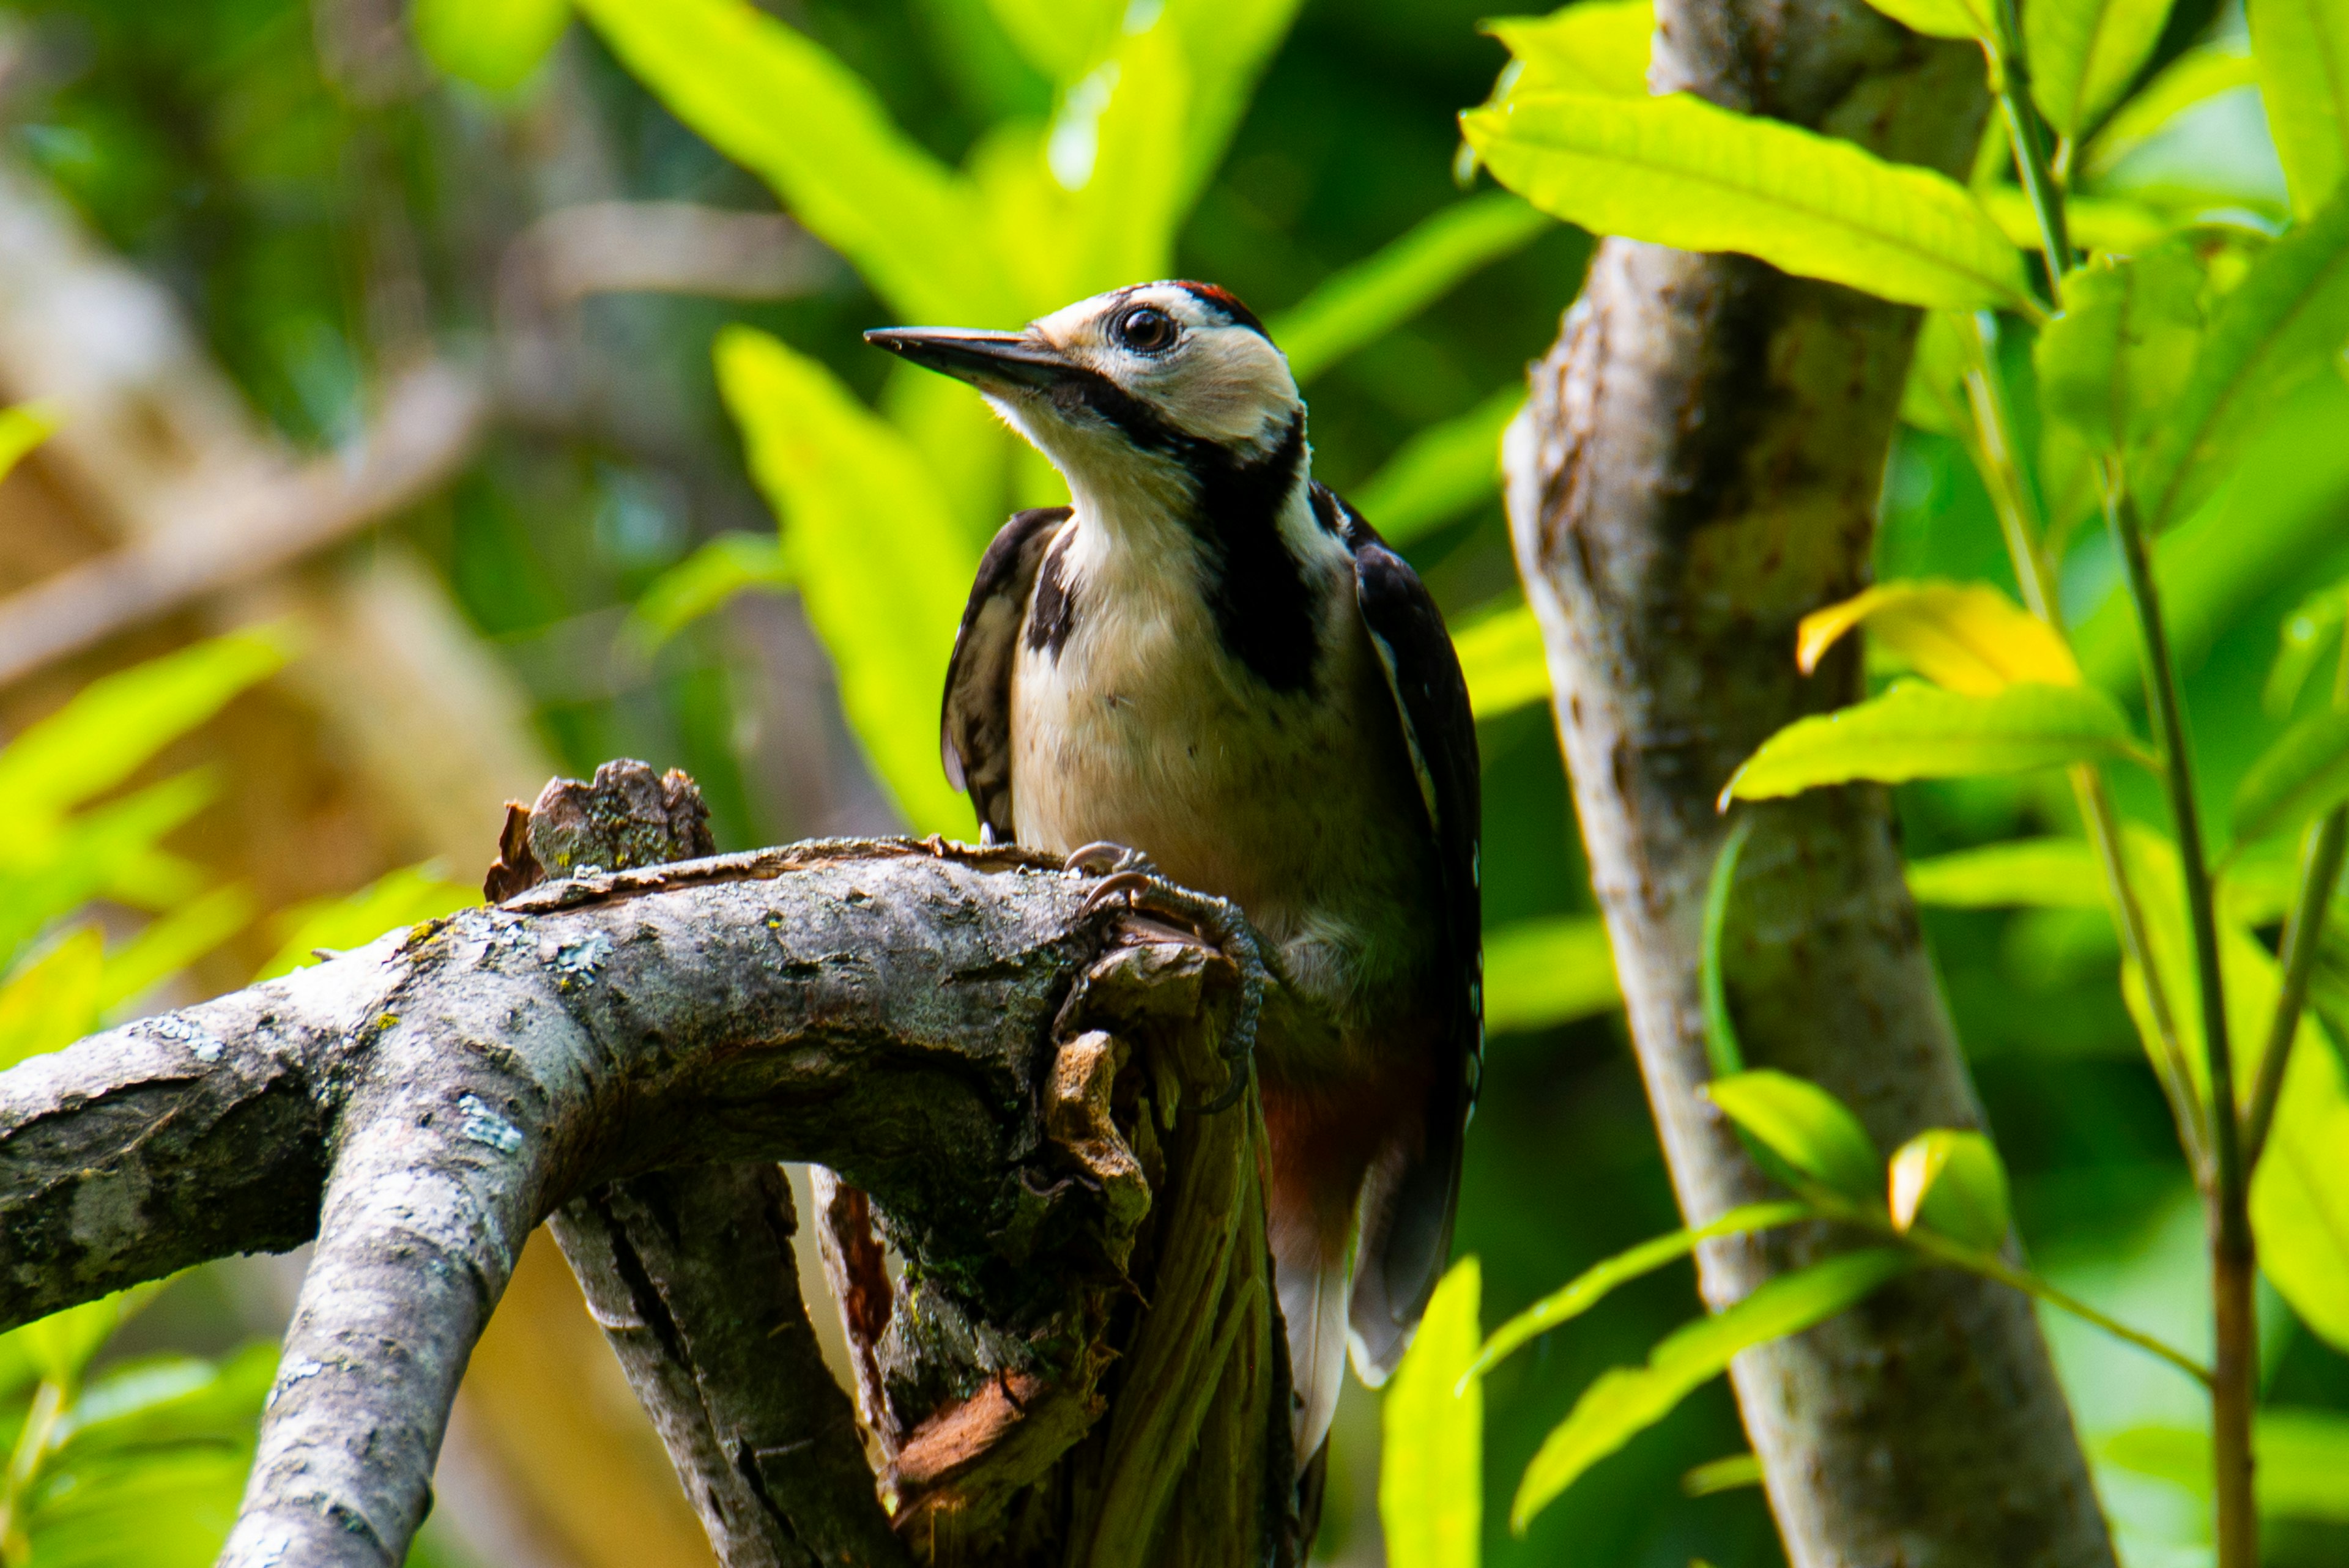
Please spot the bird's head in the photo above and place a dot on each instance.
(1138, 386)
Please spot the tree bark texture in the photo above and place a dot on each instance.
(1698, 467)
(1014, 1078)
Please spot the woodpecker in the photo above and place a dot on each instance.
(1211, 658)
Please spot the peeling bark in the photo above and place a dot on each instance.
(1698, 467)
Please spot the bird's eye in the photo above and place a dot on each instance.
(1146, 330)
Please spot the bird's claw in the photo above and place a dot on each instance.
(1217, 921)
(1105, 858)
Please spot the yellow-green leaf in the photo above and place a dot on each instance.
(2300, 1193)
(174, 940)
(1593, 47)
(1962, 636)
(2195, 76)
(1934, 396)
(1502, 659)
(1432, 1463)
(2084, 53)
(1802, 1124)
(1939, 19)
(52, 1001)
(1593, 1284)
(1359, 304)
(2097, 223)
(396, 898)
(496, 45)
(1627, 1400)
(1541, 973)
(1918, 731)
(2302, 775)
(2301, 48)
(881, 566)
(2037, 874)
(1951, 1183)
(2114, 362)
(2304, 1460)
(1679, 171)
(1442, 471)
(1060, 38)
(703, 582)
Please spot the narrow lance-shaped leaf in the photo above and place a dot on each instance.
(1359, 304)
(1442, 471)
(1678, 171)
(1962, 636)
(1918, 731)
(2084, 53)
(2040, 873)
(2306, 634)
(703, 582)
(2304, 1460)
(2301, 777)
(2112, 365)
(1542, 973)
(393, 900)
(1593, 46)
(1627, 1400)
(1503, 660)
(2302, 47)
(1939, 18)
(1060, 38)
(2279, 329)
(1591, 1287)
(1811, 1130)
(2098, 225)
(2195, 76)
(1952, 1183)
(1432, 1463)
(881, 569)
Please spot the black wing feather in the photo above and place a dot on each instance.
(976, 725)
(1431, 700)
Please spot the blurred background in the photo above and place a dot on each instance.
(461, 376)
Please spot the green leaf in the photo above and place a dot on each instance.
(496, 45)
(2302, 1469)
(1934, 396)
(1918, 731)
(1542, 973)
(396, 898)
(1679, 171)
(1721, 1475)
(2113, 363)
(882, 568)
(63, 1343)
(1954, 1183)
(2194, 77)
(1501, 657)
(168, 1400)
(1432, 1462)
(119, 721)
(703, 582)
(23, 427)
(1061, 37)
(1802, 1124)
(773, 100)
(2303, 775)
(2301, 48)
(1442, 471)
(1593, 47)
(2031, 874)
(1939, 19)
(174, 941)
(1591, 1287)
(2098, 224)
(52, 1001)
(1963, 636)
(2300, 1193)
(1359, 304)
(2084, 53)
(2303, 639)
(2279, 329)
(1627, 1401)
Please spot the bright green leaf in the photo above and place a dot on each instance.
(396, 898)
(1591, 1287)
(496, 45)
(2113, 363)
(23, 427)
(1963, 636)
(1440, 472)
(1918, 731)
(1934, 396)
(882, 568)
(1357, 305)
(703, 582)
(2301, 48)
(168, 1400)
(1678, 171)
(1593, 46)
(1432, 1462)
(119, 721)
(1061, 37)
(2195, 76)
(2302, 1469)
(1815, 1133)
(2031, 873)
(2084, 53)
(174, 941)
(1939, 18)
(1951, 1183)
(1721, 1475)
(1627, 1401)
(2305, 635)
(1542, 973)
(52, 1001)
(62, 1344)
(2280, 329)
(2300, 1193)
(776, 102)
(2303, 775)
(1502, 658)
(2098, 224)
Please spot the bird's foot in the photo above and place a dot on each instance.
(1102, 858)
(1217, 921)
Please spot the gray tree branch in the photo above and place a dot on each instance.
(1698, 467)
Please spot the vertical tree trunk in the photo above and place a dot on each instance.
(1699, 467)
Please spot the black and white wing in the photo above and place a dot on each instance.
(976, 725)
(1400, 1263)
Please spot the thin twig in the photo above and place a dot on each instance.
(2319, 870)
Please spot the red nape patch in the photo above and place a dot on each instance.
(1224, 300)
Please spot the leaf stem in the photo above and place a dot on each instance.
(2011, 79)
(2319, 870)
(2232, 1255)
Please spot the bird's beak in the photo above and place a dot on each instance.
(991, 361)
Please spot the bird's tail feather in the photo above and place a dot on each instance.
(1314, 1293)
